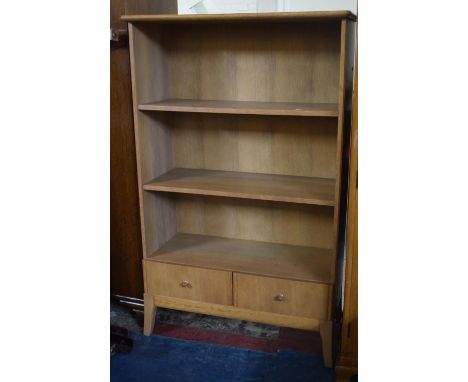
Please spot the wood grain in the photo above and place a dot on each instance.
(275, 222)
(150, 314)
(153, 145)
(243, 17)
(244, 107)
(298, 146)
(237, 313)
(281, 188)
(278, 63)
(247, 256)
(300, 298)
(206, 285)
(125, 233)
(266, 63)
(119, 8)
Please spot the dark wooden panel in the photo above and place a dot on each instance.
(119, 8)
(125, 244)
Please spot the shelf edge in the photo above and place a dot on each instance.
(223, 110)
(239, 195)
(243, 17)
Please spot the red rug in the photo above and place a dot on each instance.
(288, 339)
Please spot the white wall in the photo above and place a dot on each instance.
(320, 5)
(240, 6)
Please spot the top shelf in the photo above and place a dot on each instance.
(243, 17)
(244, 107)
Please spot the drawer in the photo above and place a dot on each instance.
(189, 283)
(293, 298)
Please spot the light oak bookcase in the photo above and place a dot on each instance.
(239, 126)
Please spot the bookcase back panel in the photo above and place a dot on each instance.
(255, 220)
(260, 144)
(272, 62)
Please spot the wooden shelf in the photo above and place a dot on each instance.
(246, 256)
(281, 188)
(244, 107)
(243, 17)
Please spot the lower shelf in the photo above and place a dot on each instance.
(246, 256)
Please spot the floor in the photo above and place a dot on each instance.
(164, 359)
(214, 331)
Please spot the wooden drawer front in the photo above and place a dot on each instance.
(189, 283)
(293, 298)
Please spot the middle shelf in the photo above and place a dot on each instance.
(281, 188)
(247, 256)
(244, 107)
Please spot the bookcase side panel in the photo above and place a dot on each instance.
(152, 137)
(156, 158)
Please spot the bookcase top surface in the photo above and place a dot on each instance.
(242, 17)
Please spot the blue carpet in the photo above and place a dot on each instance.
(162, 359)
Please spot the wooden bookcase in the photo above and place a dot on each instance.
(239, 125)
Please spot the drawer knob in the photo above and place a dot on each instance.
(185, 284)
(280, 297)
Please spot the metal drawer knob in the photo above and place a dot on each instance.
(280, 297)
(185, 284)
